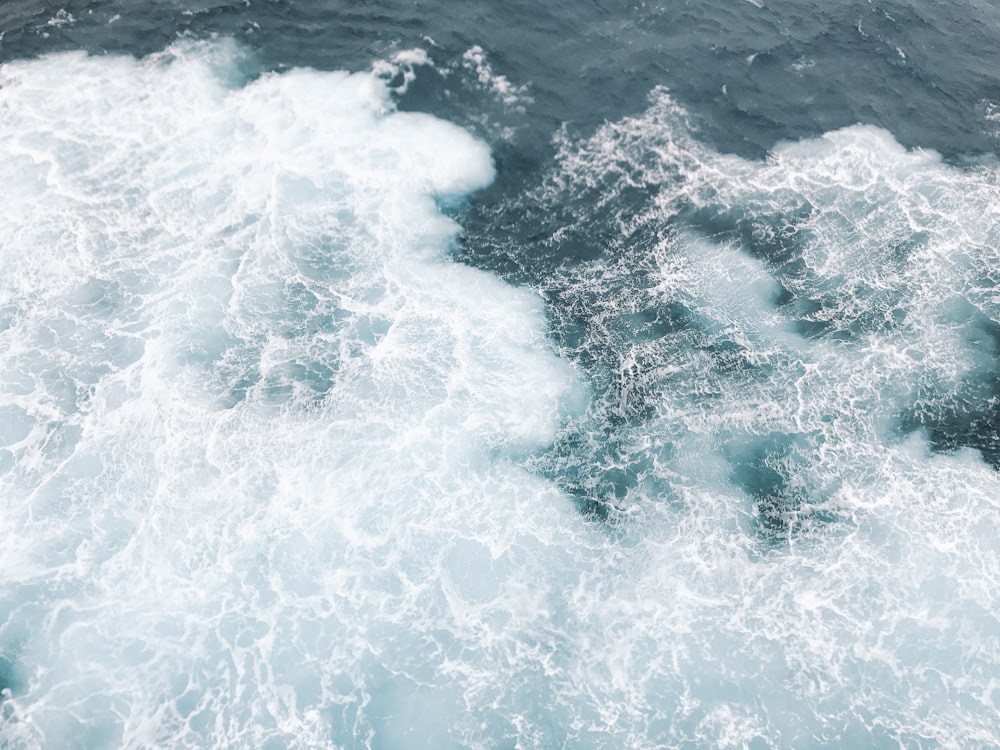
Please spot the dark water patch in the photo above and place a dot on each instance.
(961, 424)
(752, 76)
(12, 682)
(816, 307)
(604, 474)
(969, 416)
(821, 317)
(532, 238)
(731, 359)
(812, 319)
(760, 468)
(771, 469)
(775, 238)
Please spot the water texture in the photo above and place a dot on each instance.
(468, 376)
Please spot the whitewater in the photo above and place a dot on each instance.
(281, 469)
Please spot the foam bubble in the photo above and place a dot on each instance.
(401, 67)
(476, 60)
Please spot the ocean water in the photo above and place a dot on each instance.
(481, 375)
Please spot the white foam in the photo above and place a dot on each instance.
(268, 445)
(262, 455)
(866, 615)
(402, 66)
(61, 18)
(511, 95)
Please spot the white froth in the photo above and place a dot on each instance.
(402, 67)
(259, 428)
(866, 612)
(475, 59)
(267, 445)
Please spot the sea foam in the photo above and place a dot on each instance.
(795, 421)
(281, 473)
(259, 430)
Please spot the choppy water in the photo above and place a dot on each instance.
(499, 376)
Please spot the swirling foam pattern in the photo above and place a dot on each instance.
(258, 429)
(796, 421)
(279, 473)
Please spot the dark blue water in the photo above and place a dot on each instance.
(752, 76)
(499, 374)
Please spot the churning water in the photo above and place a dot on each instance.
(442, 404)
